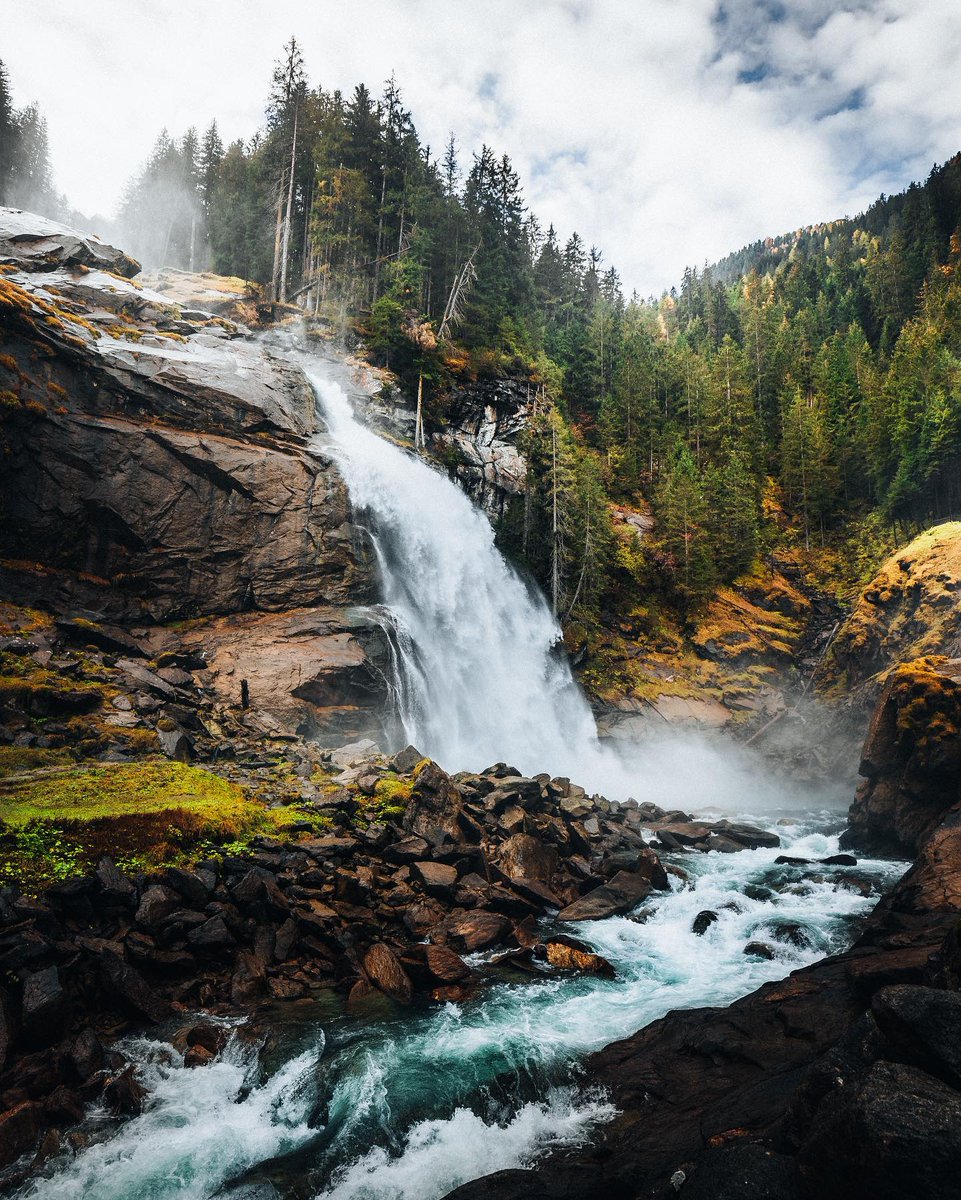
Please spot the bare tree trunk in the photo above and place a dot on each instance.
(380, 231)
(288, 219)
(419, 420)
(278, 229)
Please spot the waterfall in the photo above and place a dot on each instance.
(482, 677)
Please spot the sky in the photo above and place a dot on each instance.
(666, 132)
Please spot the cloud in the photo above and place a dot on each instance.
(667, 132)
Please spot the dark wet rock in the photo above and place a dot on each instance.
(444, 965)
(840, 860)
(213, 934)
(86, 1054)
(19, 1130)
(792, 934)
(741, 1172)
(758, 950)
(622, 893)
(156, 904)
(436, 878)
(896, 1133)
(703, 922)
(786, 860)
(192, 885)
(248, 983)
(473, 931)
(114, 886)
(129, 986)
(922, 1027)
(45, 1007)
(423, 916)
(123, 1094)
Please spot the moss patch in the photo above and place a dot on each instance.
(58, 822)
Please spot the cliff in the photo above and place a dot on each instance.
(157, 469)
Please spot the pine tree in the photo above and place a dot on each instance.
(8, 136)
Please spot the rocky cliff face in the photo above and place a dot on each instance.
(477, 440)
(156, 465)
(485, 420)
(911, 760)
(911, 608)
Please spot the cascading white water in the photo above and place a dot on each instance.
(482, 679)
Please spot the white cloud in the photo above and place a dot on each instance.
(665, 131)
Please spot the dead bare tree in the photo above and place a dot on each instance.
(453, 313)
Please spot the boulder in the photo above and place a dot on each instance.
(129, 986)
(156, 904)
(572, 958)
(436, 878)
(922, 1027)
(44, 1008)
(622, 893)
(124, 1094)
(445, 965)
(473, 931)
(387, 975)
(896, 1133)
(19, 1130)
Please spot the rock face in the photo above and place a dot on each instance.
(478, 440)
(318, 672)
(40, 245)
(157, 468)
(911, 608)
(911, 759)
(484, 420)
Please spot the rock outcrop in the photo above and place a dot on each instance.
(911, 759)
(477, 441)
(157, 469)
(910, 609)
